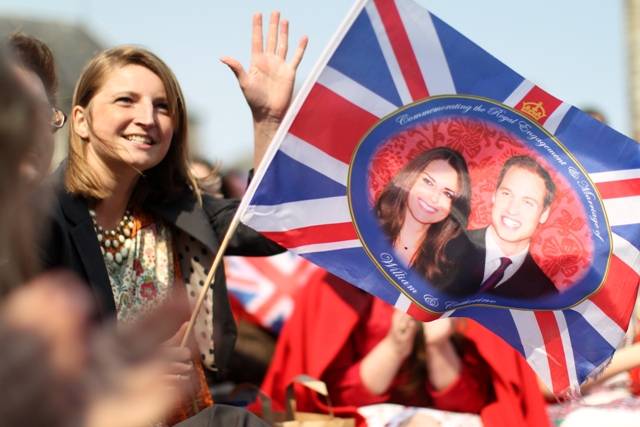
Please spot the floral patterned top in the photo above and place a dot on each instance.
(144, 279)
(142, 282)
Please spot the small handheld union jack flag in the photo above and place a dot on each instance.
(266, 286)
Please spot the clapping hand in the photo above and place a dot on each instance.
(438, 330)
(402, 333)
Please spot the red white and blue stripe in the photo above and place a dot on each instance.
(390, 53)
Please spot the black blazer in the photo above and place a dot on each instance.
(528, 282)
(72, 243)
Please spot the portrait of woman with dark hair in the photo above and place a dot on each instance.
(424, 206)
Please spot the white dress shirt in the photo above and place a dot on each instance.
(493, 255)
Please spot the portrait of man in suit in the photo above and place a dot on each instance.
(497, 257)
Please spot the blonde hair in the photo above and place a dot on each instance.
(163, 181)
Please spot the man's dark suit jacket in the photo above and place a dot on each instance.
(528, 282)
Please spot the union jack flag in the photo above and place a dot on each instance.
(266, 287)
(391, 53)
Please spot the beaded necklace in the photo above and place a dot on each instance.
(115, 244)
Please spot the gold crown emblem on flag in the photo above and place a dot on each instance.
(534, 109)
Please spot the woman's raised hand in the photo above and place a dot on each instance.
(402, 333)
(268, 83)
(438, 330)
(380, 366)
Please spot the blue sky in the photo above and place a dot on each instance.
(575, 49)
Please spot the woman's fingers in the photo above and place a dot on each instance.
(180, 374)
(297, 56)
(277, 42)
(235, 66)
(177, 354)
(438, 330)
(283, 39)
(272, 37)
(180, 368)
(402, 317)
(409, 329)
(403, 325)
(256, 34)
(177, 382)
(175, 340)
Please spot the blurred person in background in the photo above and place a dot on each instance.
(33, 69)
(375, 354)
(27, 140)
(234, 183)
(596, 114)
(34, 65)
(207, 175)
(129, 217)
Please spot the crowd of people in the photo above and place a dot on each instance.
(101, 260)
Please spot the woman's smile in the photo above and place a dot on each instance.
(141, 141)
(426, 206)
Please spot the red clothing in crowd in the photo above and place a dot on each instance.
(327, 313)
(468, 394)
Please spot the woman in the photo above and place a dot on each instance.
(391, 358)
(425, 206)
(48, 353)
(130, 218)
(376, 355)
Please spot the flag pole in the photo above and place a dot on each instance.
(270, 153)
(209, 280)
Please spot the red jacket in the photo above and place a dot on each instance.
(326, 313)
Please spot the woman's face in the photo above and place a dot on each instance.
(430, 197)
(129, 119)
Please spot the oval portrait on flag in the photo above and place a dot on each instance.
(461, 200)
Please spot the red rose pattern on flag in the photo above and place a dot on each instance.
(561, 246)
